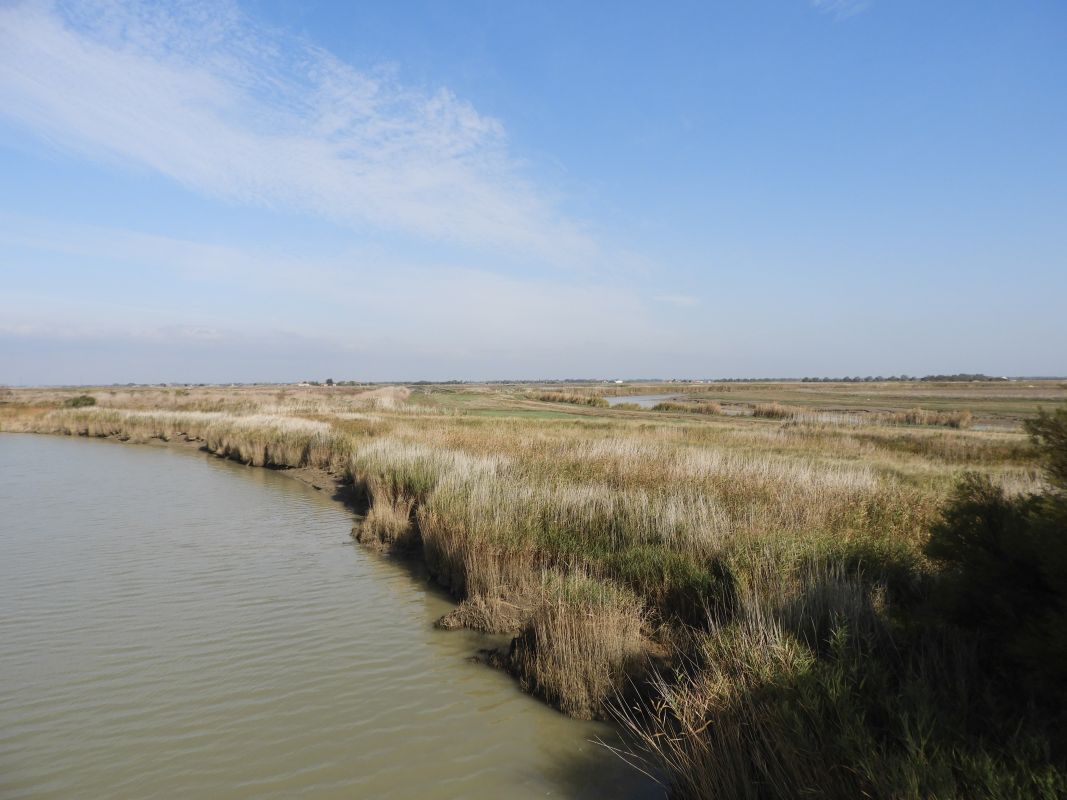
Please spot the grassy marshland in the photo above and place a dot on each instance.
(742, 576)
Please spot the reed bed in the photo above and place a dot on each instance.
(695, 407)
(918, 416)
(774, 411)
(584, 641)
(962, 418)
(734, 575)
(593, 400)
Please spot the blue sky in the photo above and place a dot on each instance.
(275, 190)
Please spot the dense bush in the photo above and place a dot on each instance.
(1006, 560)
(80, 401)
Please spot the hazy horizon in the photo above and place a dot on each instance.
(271, 191)
(533, 379)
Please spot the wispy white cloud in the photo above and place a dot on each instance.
(841, 9)
(234, 110)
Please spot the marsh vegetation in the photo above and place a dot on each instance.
(766, 591)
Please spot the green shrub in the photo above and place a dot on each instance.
(1049, 434)
(80, 401)
(1006, 561)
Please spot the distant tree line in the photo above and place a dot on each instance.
(865, 379)
(961, 377)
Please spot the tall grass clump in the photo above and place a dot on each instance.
(398, 476)
(489, 532)
(773, 411)
(596, 401)
(264, 440)
(583, 644)
(919, 416)
(696, 407)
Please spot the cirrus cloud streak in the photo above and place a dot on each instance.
(234, 110)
